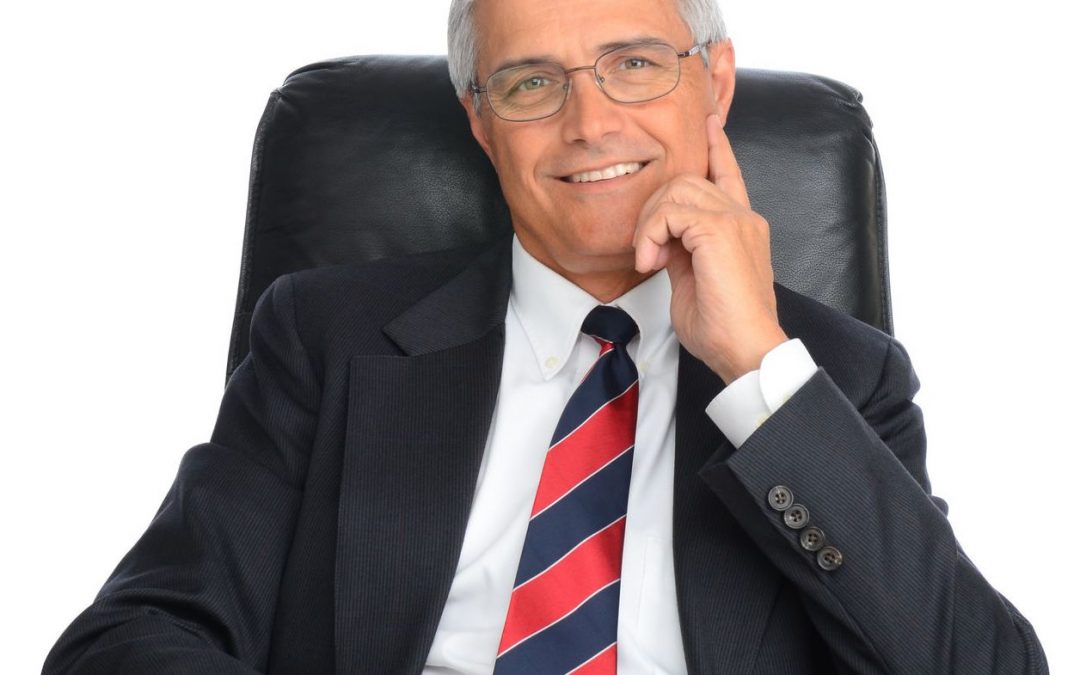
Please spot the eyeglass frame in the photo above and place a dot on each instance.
(696, 49)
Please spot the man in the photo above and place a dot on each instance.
(388, 485)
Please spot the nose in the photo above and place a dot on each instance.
(588, 114)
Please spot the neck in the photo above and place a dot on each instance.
(605, 286)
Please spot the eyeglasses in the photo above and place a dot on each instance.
(631, 74)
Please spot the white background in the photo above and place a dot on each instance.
(126, 135)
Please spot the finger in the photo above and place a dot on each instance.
(649, 254)
(724, 170)
(656, 232)
(691, 190)
(646, 255)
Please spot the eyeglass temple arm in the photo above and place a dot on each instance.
(693, 50)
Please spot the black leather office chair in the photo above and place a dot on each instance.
(364, 157)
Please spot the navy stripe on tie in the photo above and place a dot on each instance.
(595, 504)
(594, 391)
(570, 642)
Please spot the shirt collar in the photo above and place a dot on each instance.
(551, 310)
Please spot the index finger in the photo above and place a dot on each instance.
(724, 171)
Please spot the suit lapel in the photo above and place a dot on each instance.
(417, 427)
(725, 586)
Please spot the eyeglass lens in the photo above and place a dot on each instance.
(628, 75)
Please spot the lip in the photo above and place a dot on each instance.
(565, 179)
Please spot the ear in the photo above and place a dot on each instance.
(722, 76)
(476, 124)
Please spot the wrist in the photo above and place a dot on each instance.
(748, 358)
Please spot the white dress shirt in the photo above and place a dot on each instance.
(545, 358)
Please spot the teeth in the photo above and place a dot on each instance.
(606, 174)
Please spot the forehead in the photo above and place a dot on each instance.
(570, 30)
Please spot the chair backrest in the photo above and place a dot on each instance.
(371, 156)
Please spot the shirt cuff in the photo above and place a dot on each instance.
(746, 403)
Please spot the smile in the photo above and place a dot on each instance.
(608, 173)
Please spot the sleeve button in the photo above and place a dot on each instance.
(780, 497)
(812, 538)
(829, 558)
(796, 516)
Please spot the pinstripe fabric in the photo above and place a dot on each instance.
(319, 529)
(564, 609)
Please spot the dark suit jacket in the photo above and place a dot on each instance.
(319, 529)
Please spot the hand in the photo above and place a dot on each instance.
(716, 250)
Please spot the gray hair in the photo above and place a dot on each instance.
(701, 16)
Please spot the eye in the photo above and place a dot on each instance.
(635, 63)
(532, 83)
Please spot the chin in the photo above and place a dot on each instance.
(604, 230)
(606, 251)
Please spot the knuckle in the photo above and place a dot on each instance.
(667, 209)
(687, 183)
(727, 220)
(759, 222)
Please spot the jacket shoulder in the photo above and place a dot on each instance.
(354, 301)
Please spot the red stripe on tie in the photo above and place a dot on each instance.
(605, 346)
(600, 439)
(601, 664)
(552, 594)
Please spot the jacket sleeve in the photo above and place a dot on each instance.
(904, 598)
(197, 592)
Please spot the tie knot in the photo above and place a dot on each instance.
(611, 324)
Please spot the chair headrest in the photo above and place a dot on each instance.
(364, 157)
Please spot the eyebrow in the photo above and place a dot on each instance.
(600, 49)
(636, 40)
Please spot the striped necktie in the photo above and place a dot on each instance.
(564, 609)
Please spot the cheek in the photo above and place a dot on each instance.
(695, 146)
(516, 167)
(680, 130)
